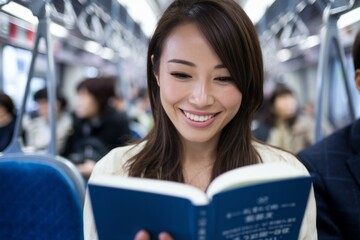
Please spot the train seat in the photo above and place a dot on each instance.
(41, 198)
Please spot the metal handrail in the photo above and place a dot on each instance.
(330, 34)
(40, 9)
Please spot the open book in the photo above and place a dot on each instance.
(262, 201)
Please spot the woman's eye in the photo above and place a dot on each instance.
(224, 79)
(180, 75)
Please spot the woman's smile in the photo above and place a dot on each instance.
(196, 89)
(198, 117)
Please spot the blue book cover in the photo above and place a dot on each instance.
(263, 201)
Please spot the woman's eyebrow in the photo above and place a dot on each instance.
(182, 62)
(219, 66)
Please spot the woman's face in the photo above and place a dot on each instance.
(5, 116)
(285, 106)
(196, 90)
(86, 105)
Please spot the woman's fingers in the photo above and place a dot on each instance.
(142, 235)
(165, 236)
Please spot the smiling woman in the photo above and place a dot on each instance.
(197, 92)
(205, 82)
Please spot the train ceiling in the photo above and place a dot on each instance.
(107, 22)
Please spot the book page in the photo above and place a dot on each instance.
(253, 174)
(195, 195)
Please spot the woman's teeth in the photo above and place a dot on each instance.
(198, 118)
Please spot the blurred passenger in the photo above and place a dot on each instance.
(258, 126)
(37, 130)
(284, 126)
(309, 110)
(140, 114)
(335, 165)
(7, 120)
(118, 103)
(97, 127)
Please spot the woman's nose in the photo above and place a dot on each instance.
(202, 94)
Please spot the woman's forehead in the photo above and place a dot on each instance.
(187, 41)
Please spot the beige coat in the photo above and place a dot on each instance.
(113, 164)
(295, 138)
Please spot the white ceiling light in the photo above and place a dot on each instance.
(310, 42)
(283, 55)
(141, 12)
(20, 11)
(349, 18)
(92, 47)
(58, 30)
(256, 9)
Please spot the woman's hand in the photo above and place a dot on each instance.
(86, 168)
(143, 235)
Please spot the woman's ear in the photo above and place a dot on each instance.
(154, 72)
(357, 79)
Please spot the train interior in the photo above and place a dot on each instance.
(55, 43)
(84, 44)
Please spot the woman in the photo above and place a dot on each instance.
(205, 82)
(7, 120)
(97, 127)
(288, 128)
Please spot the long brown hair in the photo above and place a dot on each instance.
(234, 39)
(356, 51)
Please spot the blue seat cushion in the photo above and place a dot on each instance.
(37, 201)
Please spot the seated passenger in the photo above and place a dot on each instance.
(97, 127)
(283, 124)
(335, 165)
(7, 120)
(139, 112)
(37, 131)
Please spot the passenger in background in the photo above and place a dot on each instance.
(7, 120)
(258, 127)
(335, 165)
(37, 131)
(308, 110)
(135, 114)
(97, 127)
(118, 103)
(140, 114)
(283, 125)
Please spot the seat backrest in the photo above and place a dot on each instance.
(41, 198)
(41, 194)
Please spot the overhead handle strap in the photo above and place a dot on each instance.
(335, 10)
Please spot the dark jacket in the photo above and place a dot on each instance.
(92, 139)
(335, 164)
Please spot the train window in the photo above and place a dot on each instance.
(16, 64)
(340, 114)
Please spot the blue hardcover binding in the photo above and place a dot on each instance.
(266, 211)
(272, 210)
